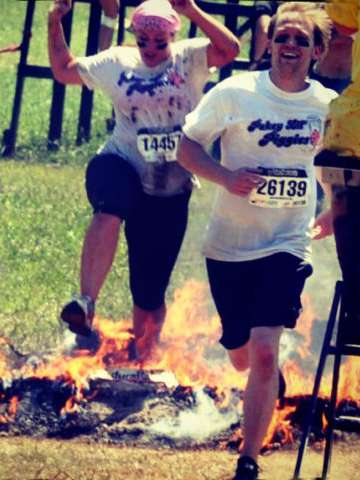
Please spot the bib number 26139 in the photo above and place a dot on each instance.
(282, 188)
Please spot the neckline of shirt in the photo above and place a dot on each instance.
(158, 68)
(282, 93)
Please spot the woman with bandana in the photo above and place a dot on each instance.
(135, 179)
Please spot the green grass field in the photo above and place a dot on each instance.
(44, 211)
(44, 214)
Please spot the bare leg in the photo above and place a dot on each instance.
(98, 253)
(147, 329)
(240, 357)
(262, 388)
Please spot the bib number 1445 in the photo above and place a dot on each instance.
(155, 143)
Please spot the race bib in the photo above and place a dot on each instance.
(159, 143)
(283, 187)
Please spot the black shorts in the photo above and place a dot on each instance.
(112, 185)
(154, 226)
(257, 293)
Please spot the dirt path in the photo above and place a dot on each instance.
(31, 459)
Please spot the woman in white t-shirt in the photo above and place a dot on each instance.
(135, 178)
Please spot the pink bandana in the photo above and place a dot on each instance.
(156, 15)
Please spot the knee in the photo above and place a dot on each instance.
(265, 359)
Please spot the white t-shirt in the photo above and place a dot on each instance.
(277, 134)
(150, 107)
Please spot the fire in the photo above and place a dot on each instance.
(296, 382)
(72, 403)
(189, 349)
(5, 372)
(189, 339)
(300, 380)
(349, 386)
(304, 326)
(72, 370)
(280, 430)
(11, 410)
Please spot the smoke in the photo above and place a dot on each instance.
(319, 288)
(202, 421)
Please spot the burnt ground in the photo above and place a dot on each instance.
(136, 411)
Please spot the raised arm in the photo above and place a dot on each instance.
(62, 61)
(224, 46)
(108, 22)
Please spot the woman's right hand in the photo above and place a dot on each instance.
(59, 9)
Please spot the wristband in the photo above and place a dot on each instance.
(108, 21)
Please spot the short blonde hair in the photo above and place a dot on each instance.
(313, 12)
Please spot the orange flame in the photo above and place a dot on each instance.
(11, 410)
(280, 426)
(189, 348)
(5, 372)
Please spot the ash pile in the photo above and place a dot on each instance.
(134, 407)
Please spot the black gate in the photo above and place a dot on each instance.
(237, 17)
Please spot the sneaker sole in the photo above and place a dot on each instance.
(74, 316)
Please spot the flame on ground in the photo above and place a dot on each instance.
(280, 425)
(11, 410)
(189, 348)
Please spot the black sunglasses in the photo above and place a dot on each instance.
(159, 46)
(300, 40)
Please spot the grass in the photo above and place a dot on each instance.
(44, 214)
(43, 204)
(31, 459)
(44, 210)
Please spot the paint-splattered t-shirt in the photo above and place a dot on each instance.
(150, 107)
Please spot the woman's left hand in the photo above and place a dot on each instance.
(183, 7)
